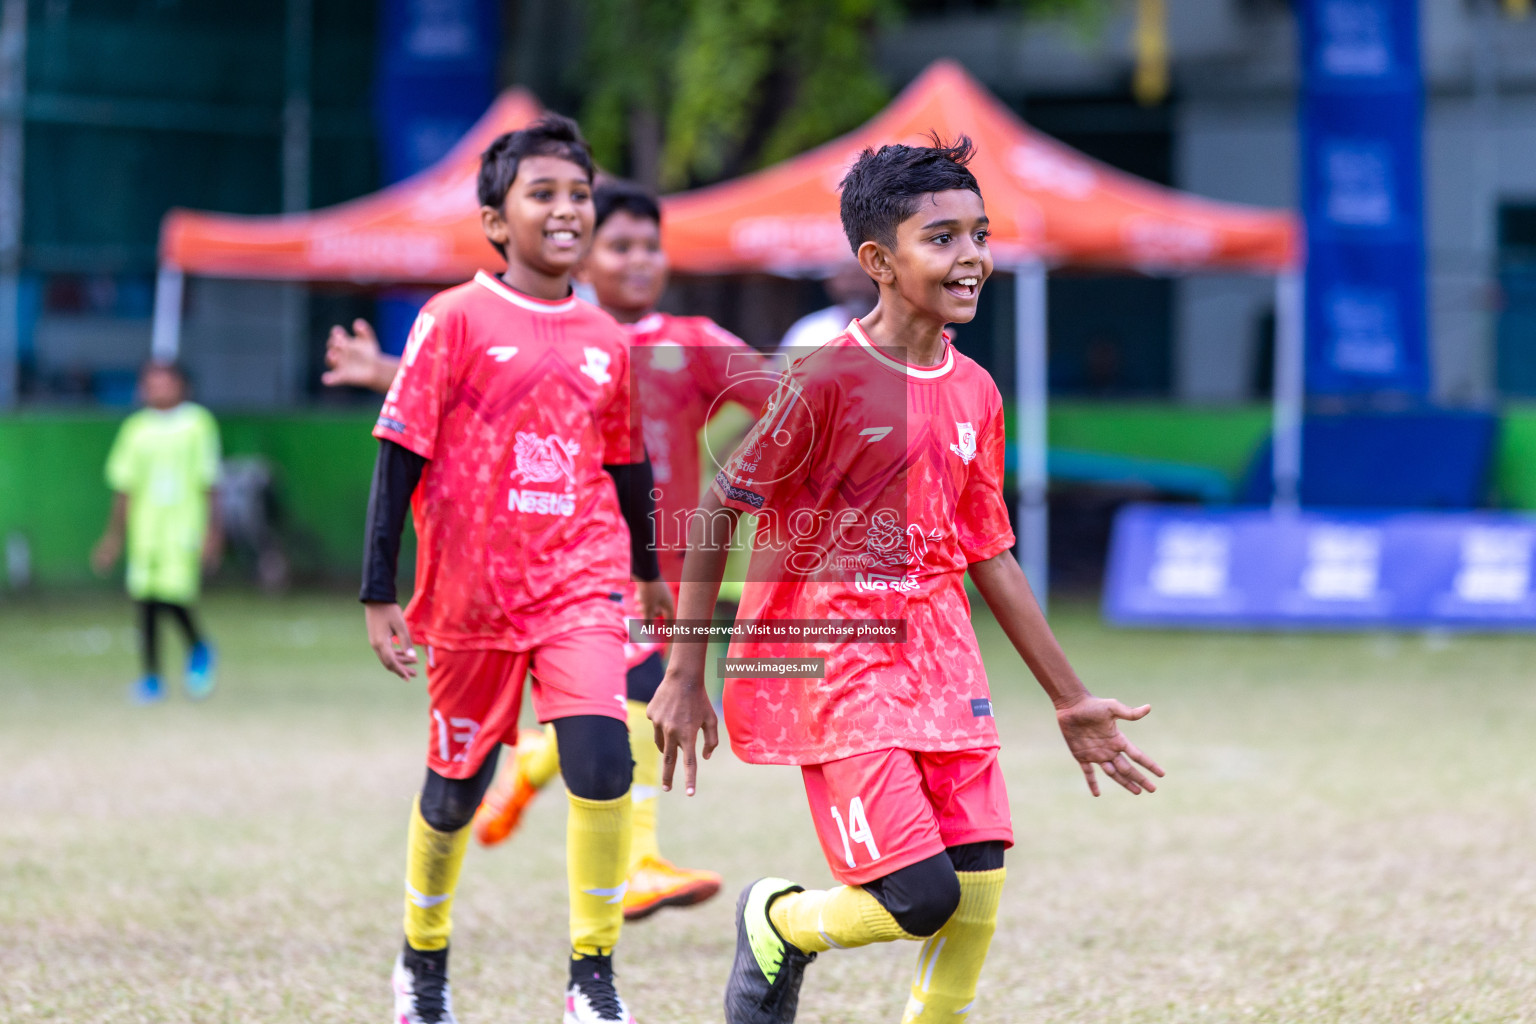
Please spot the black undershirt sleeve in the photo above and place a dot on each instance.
(634, 483)
(396, 473)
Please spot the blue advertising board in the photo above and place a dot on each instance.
(1244, 568)
(436, 76)
(1362, 113)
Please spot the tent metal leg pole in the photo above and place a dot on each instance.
(1030, 398)
(165, 341)
(1290, 396)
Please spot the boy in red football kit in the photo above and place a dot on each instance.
(876, 473)
(508, 427)
(685, 369)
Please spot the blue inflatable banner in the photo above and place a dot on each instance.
(1362, 115)
(1174, 566)
(436, 76)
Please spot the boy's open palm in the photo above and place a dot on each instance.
(1090, 728)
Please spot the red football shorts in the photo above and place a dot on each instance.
(477, 695)
(879, 812)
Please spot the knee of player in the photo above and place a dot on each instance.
(920, 897)
(448, 808)
(595, 758)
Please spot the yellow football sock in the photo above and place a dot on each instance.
(542, 762)
(944, 985)
(432, 863)
(647, 785)
(820, 919)
(596, 863)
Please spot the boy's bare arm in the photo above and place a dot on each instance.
(681, 705)
(1088, 723)
(105, 554)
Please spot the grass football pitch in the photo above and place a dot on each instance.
(1347, 833)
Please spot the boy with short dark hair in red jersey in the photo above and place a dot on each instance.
(876, 474)
(685, 369)
(509, 429)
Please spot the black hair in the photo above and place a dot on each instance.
(612, 196)
(884, 188)
(550, 135)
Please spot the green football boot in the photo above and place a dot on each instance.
(764, 987)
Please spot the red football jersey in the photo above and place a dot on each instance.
(875, 484)
(685, 368)
(516, 403)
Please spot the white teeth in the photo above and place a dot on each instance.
(967, 282)
(563, 236)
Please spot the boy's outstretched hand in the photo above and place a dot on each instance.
(390, 637)
(1088, 726)
(355, 359)
(678, 710)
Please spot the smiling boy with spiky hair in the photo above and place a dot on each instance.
(509, 431)
(886, 447)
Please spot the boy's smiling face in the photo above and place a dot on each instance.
(941, 258)
(626, 267)
(545, 221)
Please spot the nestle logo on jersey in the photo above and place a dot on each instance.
(549, 503)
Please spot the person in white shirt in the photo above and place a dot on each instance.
(853, 295)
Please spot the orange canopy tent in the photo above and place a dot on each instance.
(1046, 201)
(1049, 205)
(425, 229)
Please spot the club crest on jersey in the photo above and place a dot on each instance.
(543, 460)
(596, 365)
(966, 447)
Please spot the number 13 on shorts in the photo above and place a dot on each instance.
(855, 831)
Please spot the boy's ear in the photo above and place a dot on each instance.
(877, 262)
(493, 222)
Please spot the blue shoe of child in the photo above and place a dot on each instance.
(146, 690)
(200, 681)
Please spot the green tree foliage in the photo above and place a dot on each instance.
(682, 91)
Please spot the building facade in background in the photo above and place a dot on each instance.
(131, 107)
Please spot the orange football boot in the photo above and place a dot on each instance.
(502, 809)
(655, 883)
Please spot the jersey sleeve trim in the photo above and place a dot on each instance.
(1002, 543)
(388, 429)
(742, 499)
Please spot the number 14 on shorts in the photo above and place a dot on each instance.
(855, 831)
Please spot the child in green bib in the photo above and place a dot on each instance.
(163, 469)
